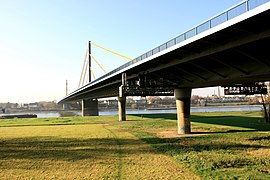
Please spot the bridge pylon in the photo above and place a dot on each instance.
(122, 99)
(89, 62)
(182, 97)
(90, 107)
(122, 108)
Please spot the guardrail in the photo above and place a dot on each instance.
(233, 12)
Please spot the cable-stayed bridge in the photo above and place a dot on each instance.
(228, 49)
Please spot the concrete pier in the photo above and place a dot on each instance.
(182, 97)
(90, 107)
(122, 108)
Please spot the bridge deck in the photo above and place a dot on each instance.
(229, 48)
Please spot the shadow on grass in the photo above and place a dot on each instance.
(100, 149)
(209, 155)
(188, 145)
(67, 149)
(253, 123)
(167, 116)
(224, 132)
(260, 138)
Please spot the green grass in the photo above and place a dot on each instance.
(237, 145)
(55, 121)
(231, 145)
(79, 148)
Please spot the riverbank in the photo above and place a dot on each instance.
(103, 112)
(44, 114)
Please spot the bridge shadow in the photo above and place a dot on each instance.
(68, 149)
(248, 122)
(73, 149)
(251, 123)
(165, 116)
(188, 144)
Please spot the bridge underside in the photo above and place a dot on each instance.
(236, 54)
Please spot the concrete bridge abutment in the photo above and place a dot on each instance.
(90, 107)
(182, 97)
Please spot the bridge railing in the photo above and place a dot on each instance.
(229, 14)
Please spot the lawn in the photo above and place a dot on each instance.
(80, 148)
(232, 145)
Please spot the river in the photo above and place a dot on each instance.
(162, 111)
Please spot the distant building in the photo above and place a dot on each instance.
(33, 105)
(110, 102)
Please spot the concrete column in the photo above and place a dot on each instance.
(90, 107)
(64, 107)
(182, 97)
(122, 108)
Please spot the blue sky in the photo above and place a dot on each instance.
(43, 42)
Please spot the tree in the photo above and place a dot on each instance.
(153, 99)
(8, 105)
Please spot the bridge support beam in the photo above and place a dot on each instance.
(182, 97)
(90, 107)
(122, 108)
